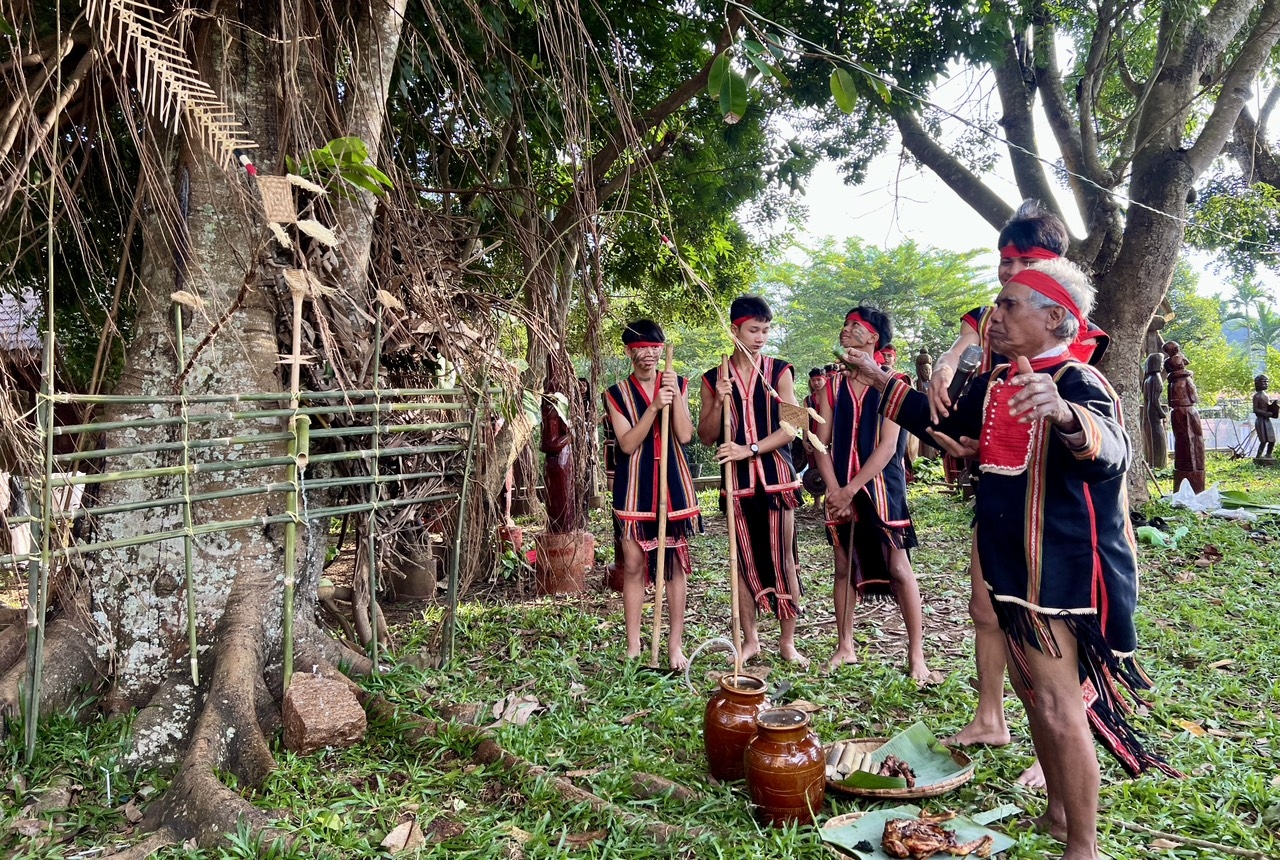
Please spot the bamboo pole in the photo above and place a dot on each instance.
(228, 526)
(298, 425)
(45, 433)
(660, 573)
(249, 397)
(374, 495)
(300, 448)
(188, 540)
(254, 415)
(451, 593)
(33, 620)
(726, 409)
(44, 429)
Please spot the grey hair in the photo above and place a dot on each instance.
(1078, 286)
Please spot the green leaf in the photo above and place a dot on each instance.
(769, 70)
(7, 29)
(843, 91)
(733, 97)
(752, 47)
(346, 149)
(362, 182)
(716, 78)
(880, 87)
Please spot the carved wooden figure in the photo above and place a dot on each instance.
(1264, 409)
(1188, 433)
(1155, 429)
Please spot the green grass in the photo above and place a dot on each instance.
(567, 651)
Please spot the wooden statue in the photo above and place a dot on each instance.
(1264, 409)
(924, 372)
(1155, 434)
(563, 509)
(1188, 433)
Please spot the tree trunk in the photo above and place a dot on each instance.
(205, 236)
(1137, 282)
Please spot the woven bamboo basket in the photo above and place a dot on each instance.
(932, 790)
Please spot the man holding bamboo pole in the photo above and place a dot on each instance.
(763, 489)
(635, 408)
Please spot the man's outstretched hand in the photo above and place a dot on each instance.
(1039, 398)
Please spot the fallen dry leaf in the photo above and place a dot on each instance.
(804, 705)
(1193, 728)
(631, 718)
(405, 836)
(579, 774)
(520, 836)
(1221, 664)
(515, 711)
(132, 813)
(1165, 844)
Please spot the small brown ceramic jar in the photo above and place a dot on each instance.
(786, 773)
(729, 722)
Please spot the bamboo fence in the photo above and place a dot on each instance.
(282, 458)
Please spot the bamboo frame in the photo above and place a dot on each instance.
(451, 591)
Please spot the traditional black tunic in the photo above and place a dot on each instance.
(1054, 536)
(881, 520)
(763, 487)
(635, 484)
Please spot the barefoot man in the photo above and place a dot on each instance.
(1033, 233)
(867, 499)
(1053, 535)
(635, 405)
(764, 480)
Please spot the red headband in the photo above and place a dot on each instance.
(1046, 286)
(644, 344)
(856, 317)
(1032, 253)
(740, 320)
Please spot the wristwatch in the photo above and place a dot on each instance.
(755, 450)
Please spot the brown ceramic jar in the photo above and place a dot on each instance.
(729, 722)
(786, 772)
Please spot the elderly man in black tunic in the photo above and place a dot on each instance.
(1053, 533)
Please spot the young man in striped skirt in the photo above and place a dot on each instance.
(764, 486)
(635, 409)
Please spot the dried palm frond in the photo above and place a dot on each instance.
(167, 81)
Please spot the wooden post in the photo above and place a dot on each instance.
(660, 573)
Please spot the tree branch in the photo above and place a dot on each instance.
(970, 188)
(1019, 128)
(1235, 88)
(676, 99)
(1058, 112)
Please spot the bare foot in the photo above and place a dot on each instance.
(842, 657)
(918, 671)
(678, 660)
(750, 650)
(977, 734)
(1044, 824)
(791, 655)
(633, 651)
(1033, 777)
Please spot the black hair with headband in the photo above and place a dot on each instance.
(642, 332)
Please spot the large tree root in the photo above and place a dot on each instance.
(13, 644)
(488, 751)
(71, 664)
